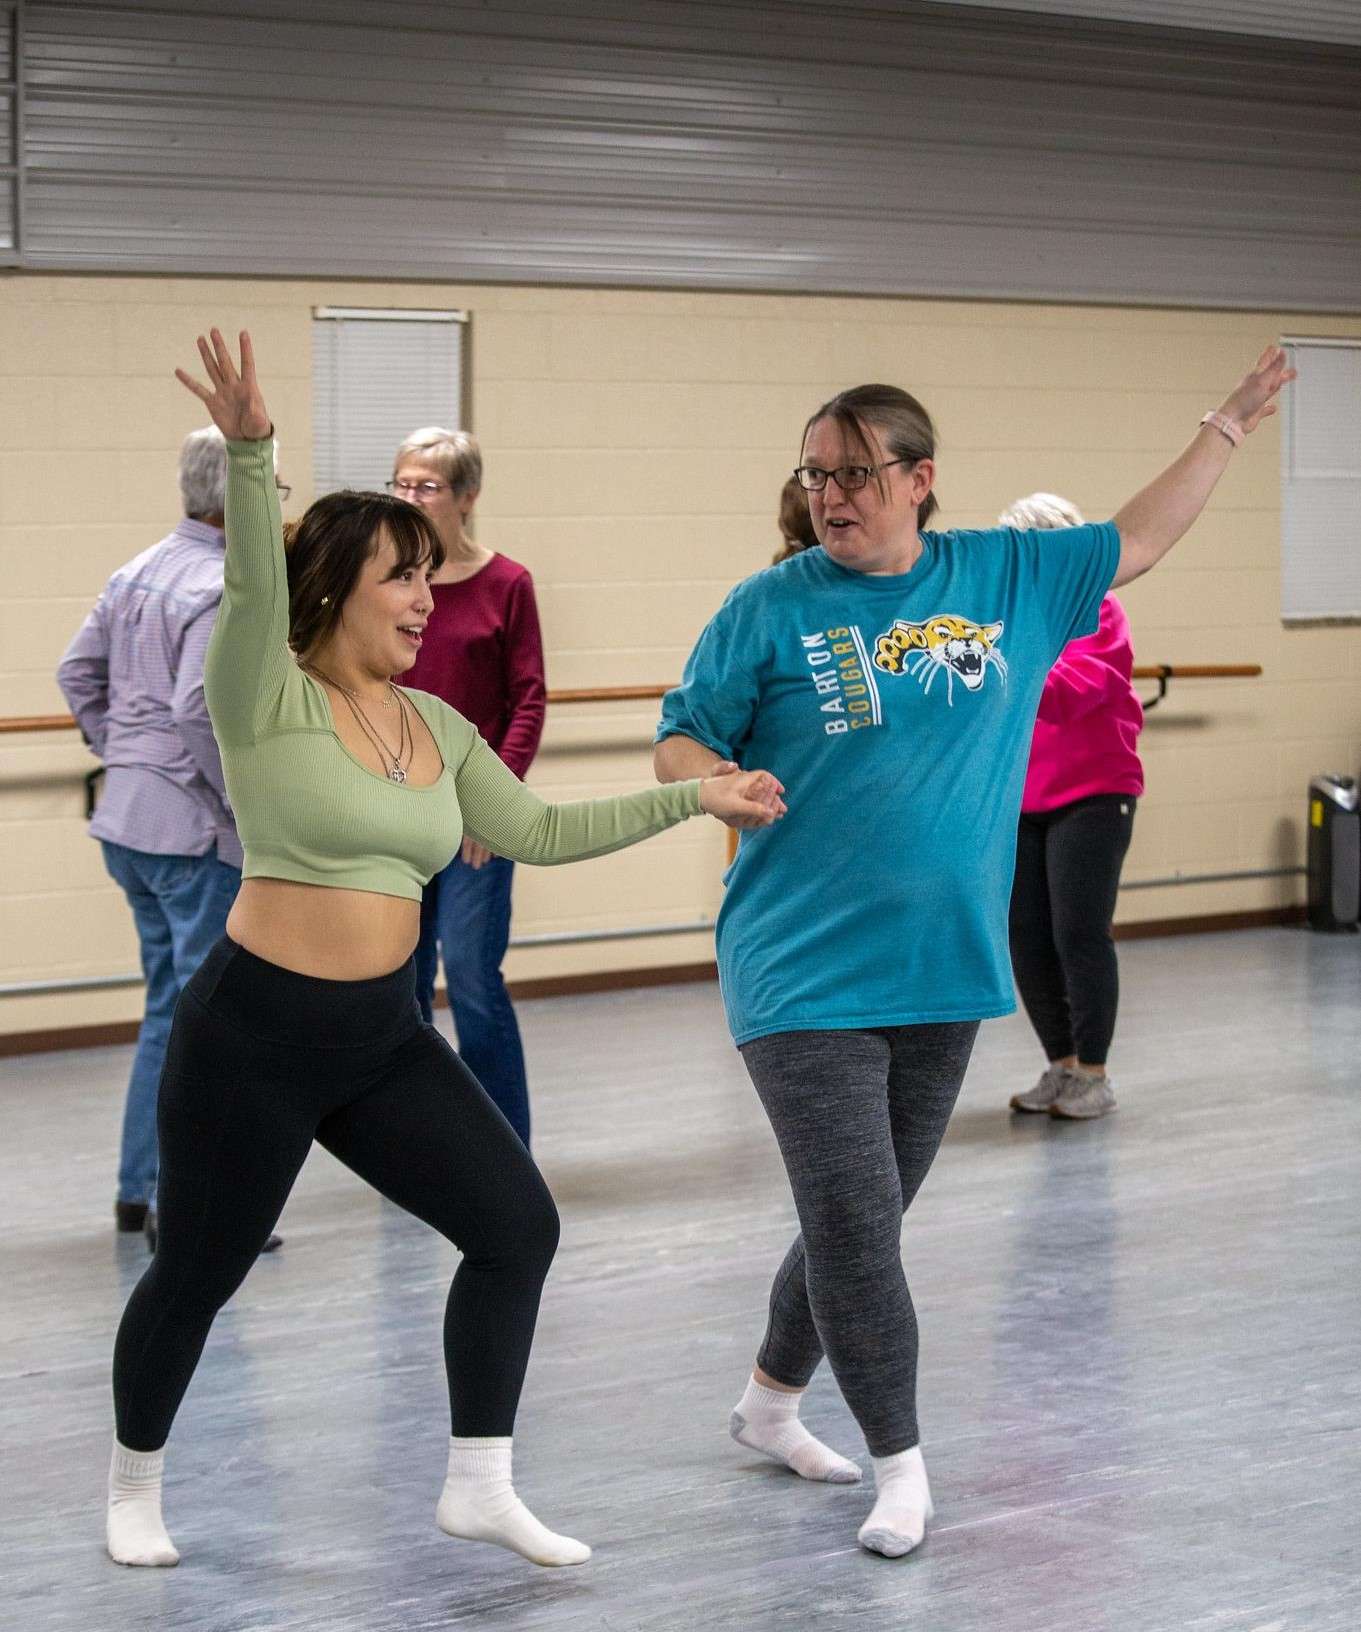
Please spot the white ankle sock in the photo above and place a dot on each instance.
(479, 1503)
(897, 1521)
(136, 1534)
(767, 1420)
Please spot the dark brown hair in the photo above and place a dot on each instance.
(904, 427)
(327, 549)
(796, 525)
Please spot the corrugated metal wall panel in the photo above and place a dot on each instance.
(11, 182)
(924, 149)
(1336, 22)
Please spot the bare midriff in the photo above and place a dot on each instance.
(327, 933)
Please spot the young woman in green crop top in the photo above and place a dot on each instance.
(302, 1023)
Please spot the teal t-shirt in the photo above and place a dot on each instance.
(898, 712)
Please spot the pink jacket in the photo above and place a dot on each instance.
(1089, 720)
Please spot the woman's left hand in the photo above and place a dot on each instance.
(474, 854)
(1254, 399)
(743, 799)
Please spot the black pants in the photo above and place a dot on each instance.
(1067, 873)
(262, 1061)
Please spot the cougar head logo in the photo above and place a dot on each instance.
(956, 647)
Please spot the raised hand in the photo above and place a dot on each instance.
(743, 799)
(237, 408)
(1254, 399)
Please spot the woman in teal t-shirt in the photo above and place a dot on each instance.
(890, 681)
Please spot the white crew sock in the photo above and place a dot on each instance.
(479, 1503)
(136, 1534)
(767, 1420)
(897, 1521)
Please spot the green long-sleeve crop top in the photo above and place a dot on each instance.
(306, 809)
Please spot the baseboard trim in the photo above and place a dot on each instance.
(1211, 923)
(120, 1032)
(609, 980)
(114, 1034)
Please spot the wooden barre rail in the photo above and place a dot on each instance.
(1162, 672)
(1197, 671)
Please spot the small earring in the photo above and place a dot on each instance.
(326, 600)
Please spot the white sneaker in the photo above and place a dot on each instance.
(1084, 1096)
(1045, 1092)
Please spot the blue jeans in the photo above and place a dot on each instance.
(180, 906)
(465, 919)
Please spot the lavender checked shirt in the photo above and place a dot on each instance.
(133, 678)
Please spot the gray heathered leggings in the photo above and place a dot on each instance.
(859, 1116)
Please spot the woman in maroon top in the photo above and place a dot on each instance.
(483, 654)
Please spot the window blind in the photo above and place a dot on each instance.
(377, 376)
(1321, 482)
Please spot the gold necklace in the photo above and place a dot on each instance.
(395, 763)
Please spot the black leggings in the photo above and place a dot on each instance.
(1067, 873)
(261, 1062)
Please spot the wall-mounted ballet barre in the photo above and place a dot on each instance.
(1163, 673)
(584, 694)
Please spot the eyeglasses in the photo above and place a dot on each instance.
(849, 478)
(283, 489)
(427, 490)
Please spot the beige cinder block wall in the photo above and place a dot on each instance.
(635, 446)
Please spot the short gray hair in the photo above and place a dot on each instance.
(203, 472)
(1041, 510)
(455, 454)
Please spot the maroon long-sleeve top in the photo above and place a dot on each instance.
(483, 654)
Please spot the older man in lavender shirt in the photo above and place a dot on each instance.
(133, 677)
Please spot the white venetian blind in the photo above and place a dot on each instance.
(1321, 482)
(376, 376)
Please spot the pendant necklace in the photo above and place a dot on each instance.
(395, 763)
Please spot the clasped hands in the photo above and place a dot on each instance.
(742, 799)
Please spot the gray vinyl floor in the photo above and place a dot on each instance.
(1141, 1398)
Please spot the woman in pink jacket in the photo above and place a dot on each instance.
(1077, 815)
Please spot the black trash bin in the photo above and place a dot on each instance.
(1334, 853)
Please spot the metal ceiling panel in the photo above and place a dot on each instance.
(915, 149)
(1335, 22)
